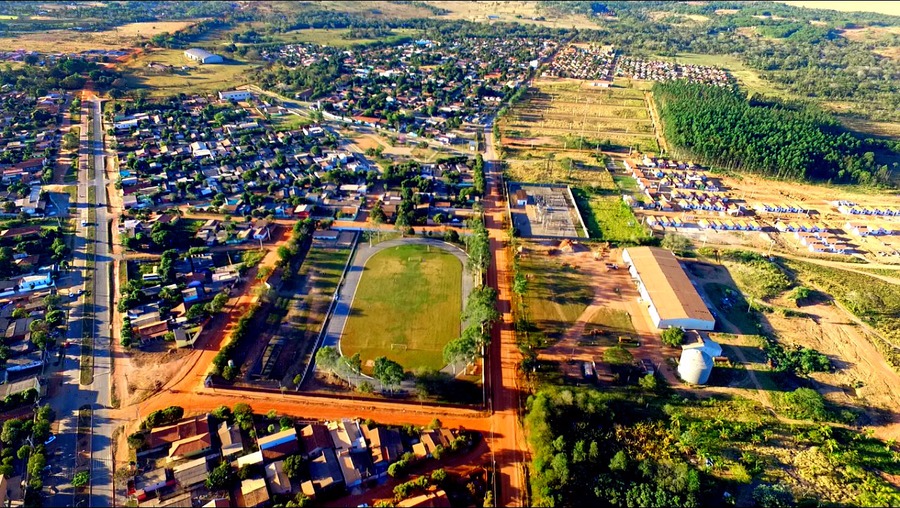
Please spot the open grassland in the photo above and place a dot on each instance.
(558, 292)
(571, 115)
(336, 38)
(122, 37)
(520, 12)
(407, 307)
(542, 167)
(889, 8)
(323, 36)
(197, 78)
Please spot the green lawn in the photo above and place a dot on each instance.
(409, 296)
(608, 218)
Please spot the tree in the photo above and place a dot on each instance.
(327, 359)
(222, 477)
(804, 403)
(619, 461)
(648, 382)
(355, 363)
(389, 372)
(294, 466)
(672, 337)
(799, 293)
(618, 355)
(675, 242)
(243, 415)
(301, 500)
(222, 413)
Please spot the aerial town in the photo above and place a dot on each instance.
(448, 254)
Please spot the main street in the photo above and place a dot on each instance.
(92, 237)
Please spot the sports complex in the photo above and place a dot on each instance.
(402, 299)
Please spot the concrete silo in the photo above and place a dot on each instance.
(695, 366)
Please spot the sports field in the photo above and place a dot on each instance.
(407, 307)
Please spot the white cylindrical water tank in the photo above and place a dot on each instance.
(695, 366)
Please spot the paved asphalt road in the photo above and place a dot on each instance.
(70, 394)
(99, 391)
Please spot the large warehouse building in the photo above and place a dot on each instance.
(202, 56)
(672, 299)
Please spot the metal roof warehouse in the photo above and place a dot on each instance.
(672, 299)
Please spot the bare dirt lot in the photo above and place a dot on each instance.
(614, 298)
(65, 41)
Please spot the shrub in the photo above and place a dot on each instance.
(672, 337)
(81, 479)
(618, 355)
(803, 403)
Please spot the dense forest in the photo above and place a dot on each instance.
(724, 129)
(582, 457)
(651, 448)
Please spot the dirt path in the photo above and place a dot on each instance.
(657, 123)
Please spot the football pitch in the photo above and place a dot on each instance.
(407, 307)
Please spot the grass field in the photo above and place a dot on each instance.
(409, 296)
(608, 218)
(122, 37)
(534, 167)
(199, 78)
(521, 12)
(571, 116)
(557, 293)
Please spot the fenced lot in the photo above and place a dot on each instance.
(299, 311)
(546, 211)
(407, 307)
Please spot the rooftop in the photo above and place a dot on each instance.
(670, 289)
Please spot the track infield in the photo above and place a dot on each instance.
(406, 307)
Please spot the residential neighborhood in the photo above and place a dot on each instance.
(187, 459)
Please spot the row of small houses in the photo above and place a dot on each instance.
(850, 209)
(867, 229)
(780, 208)
(822, 241)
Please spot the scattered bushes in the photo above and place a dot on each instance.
(802, 404)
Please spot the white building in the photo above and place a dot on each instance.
(670, 297)
(234, 95)
(202, 56)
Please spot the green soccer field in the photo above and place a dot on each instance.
(407, 307)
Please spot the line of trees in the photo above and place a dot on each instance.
(480, 311)
(724, 129)
(221, 364)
